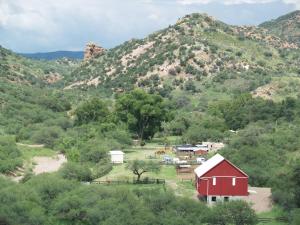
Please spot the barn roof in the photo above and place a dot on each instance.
(211, 163)
(208, 165)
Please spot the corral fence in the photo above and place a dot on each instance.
(268, 220)
(134, 181)
(175, 164)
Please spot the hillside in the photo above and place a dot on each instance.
(198, 81)
(54, 55)
(29, 93)
(18, 69)
(197, 49)
(286, 27)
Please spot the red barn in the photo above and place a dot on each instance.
(219, 180)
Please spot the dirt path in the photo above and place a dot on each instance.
(260, 198)
(31, 146)
(48, 164)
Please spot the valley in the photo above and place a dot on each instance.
(199, 80)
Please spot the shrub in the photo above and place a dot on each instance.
(75, 171)
(10, 156)
(47, 136)
(101, 169)
(172, 72)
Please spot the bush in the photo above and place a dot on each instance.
(268, 54)
(75, 171)
(172, 72)
(47, 136)
(234, 212)
(190, 86)
(101, 169)
(10, 156)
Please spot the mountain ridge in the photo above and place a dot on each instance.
(54, 55)
(286, 26)
(195, 48)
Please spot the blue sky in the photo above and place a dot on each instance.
(50, 25)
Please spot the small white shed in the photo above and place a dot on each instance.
(117, 156)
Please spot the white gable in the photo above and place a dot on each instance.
(208, 165)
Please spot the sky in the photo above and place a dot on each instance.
(51, 25)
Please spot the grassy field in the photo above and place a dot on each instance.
(174, 182)
(29, 152)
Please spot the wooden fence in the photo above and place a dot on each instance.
(268, 220)
(174, 164)
(134, 181)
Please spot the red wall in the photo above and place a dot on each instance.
(224, 172)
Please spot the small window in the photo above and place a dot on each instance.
(226, 199)
(213, 198)
(233, 181)
(214, 181)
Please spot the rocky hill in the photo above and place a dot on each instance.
(287, 27)
(196, 50)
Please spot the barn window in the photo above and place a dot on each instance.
(226, 199)
(213, 198)
(214, 180)
(233, 181)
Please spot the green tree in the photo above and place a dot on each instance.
(94, 150)
(205, 128)
(138, 167)
(91, 111)
(142, 112)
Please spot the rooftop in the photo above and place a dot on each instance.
(116, 152)
(208, 165)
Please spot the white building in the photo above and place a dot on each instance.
(117, 156)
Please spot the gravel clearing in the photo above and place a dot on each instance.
(48, 164)
(260, 198)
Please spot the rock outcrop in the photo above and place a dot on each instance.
(92, 50)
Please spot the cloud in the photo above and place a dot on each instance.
(225, 2)
(48, 25)
(296, 3)
(237, 2)
(154, 16)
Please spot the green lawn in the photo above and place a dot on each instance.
(146, 152)
(167, 172)
(119, 172)
(28, 152)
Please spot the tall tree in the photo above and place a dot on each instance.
(142, 112)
